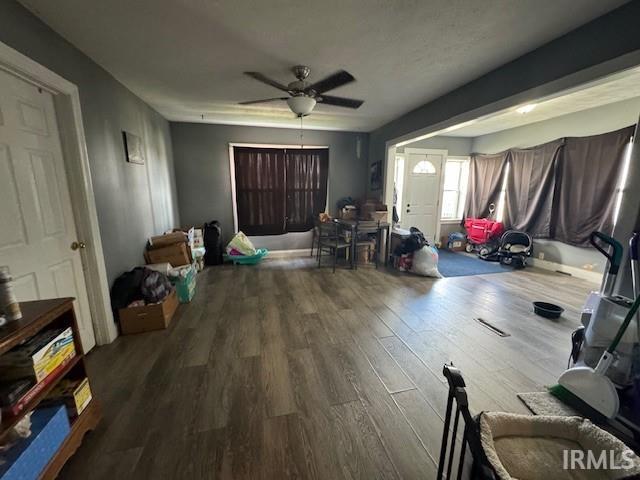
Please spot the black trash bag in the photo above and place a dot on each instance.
(213, 243)
(412, 244)
(126, 289)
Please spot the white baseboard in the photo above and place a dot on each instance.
(589, 275)
(301, 252)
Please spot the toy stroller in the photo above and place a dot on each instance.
(483, 234)
(515, 247)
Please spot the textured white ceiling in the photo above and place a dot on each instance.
(616, 88)
(186, 57)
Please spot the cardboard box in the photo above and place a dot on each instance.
(161, 241)
(454, 245)
(348, 213)
(39, 356)
(148, 317)
(177, 254)
(74, 393)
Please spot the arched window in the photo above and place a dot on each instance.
(424, 166)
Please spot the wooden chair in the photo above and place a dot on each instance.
(364, 230)
(331, 241)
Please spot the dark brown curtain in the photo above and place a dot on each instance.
(530, 188)
(306, 171)
(260, 190)
(485, 181)
(279, 191)
(586, 185)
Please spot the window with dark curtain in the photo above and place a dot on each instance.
(485, 181)
(260, 190)
(279, 190)
(306, 171)
(586, 186)
(530, 188)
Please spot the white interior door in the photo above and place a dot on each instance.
(37, 226)
(423, 191)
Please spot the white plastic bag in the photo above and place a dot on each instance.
(241, 244)
(425, 262)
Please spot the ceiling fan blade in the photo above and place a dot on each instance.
(264, 79)
(340, 101)
(336, 80)
(251, 102)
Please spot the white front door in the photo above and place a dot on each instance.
(423, 190)
(37, 226)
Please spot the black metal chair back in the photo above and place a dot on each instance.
(330, 239)
(481, 468)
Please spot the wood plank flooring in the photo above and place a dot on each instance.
(284, 371)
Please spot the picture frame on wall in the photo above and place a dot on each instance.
(133, 148)
(376, 176)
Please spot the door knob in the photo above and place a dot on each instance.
(78, 245)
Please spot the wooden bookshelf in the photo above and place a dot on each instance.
(38, 315)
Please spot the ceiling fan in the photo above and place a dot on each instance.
(303, 95)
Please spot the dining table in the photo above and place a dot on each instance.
(382, 235)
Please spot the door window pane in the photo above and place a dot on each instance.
(424, 166)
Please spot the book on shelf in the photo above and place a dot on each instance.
(19, 406)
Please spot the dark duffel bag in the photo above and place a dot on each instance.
(213, 243)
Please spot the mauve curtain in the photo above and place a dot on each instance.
(260, 190)
(306, 171)
(530, 187)
(485, 181)
(586, 185)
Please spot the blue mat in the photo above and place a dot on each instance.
(454, 264)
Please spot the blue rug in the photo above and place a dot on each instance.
(454, 264)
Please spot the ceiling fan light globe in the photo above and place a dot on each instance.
(301, 105)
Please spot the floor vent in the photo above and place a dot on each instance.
(564, 273)
(494, 329)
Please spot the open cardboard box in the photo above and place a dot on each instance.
(148, 317)
(176, 254)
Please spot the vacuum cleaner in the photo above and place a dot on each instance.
(604, 313)
(597, 385)
(591, 385)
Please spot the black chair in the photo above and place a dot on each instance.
(365, 229)
(316, 234)
(331, 241)
(480, 469)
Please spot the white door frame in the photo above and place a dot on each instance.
(430, 151)
(67, 102)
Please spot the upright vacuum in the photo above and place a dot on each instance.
(603, 364)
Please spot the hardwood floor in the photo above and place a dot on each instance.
(287, 371)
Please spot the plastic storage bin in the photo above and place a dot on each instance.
(248, 259)
(27, 459)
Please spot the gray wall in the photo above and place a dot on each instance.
(133, 201)
(456, 146)
(204, 180)
(606, 38)
(592, 121)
